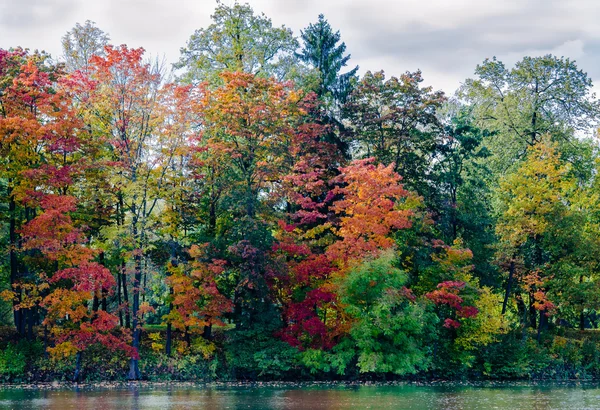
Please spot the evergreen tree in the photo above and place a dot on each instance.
(323, 51)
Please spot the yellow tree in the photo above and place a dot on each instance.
(536, 224)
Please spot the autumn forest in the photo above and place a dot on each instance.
(260, 211)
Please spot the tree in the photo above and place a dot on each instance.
(140, 120)
(322, 51)
(355, 219)
(390, 329)
(197, 302)
(324, 54)
(39, 146)
(460, 196)
(54, 268)
(469, 314)
(538, 226)
(16, 147)
(395, 121)
(81, 43)
(77, 280)
(373, 203)
(250, 122)
(237, 40)
(538, 96)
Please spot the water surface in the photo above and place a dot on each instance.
(330, 397)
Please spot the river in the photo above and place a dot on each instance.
(331, 397)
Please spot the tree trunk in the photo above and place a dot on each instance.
(187, 337)
(104, 301)
(511, 272)
(77, 367)
(119, 298)
(45, 342)
(542, 324)
(95, 304)
(14, 268)
(134, 370)
(126, 297)
(453, 219)
(103, 291)
(249, 199)
(581, 314)
(145, 278)
(212, 219)
(207, 332)
(30, 319)
(532, 312)
(169, 342)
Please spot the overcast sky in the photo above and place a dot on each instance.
(446, 39)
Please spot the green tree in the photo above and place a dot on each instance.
(391, 328)
(396, 121)
(540, 230)
(322, 51)
(237, 40)
(538, 96)
(324, 54)
(460, 197)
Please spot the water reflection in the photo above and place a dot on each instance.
(313, 397)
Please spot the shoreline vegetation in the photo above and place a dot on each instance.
(148, 385)
(140, 384)
(262, 211)
(568, 361)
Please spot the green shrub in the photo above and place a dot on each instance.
(391, 330)
(507, 358)
(186, 367)
(12, 363)
(590, 358)
(255, 354)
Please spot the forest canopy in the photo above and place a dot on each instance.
(261, 210)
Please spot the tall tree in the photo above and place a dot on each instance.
(460, 196)
(253, 121)
(81, 43)
(138, 117)
(396, 120)
(36, 123)
(322, 51)
(237, 40)
(539, 225)
(538, 96)
(325, 55)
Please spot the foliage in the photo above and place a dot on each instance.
(538, 96)
(238, 40)
(395, 121)
(321, 51)
(12, 362)
(237, 225)
(390, 326)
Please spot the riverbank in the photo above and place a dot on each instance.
(143, 384)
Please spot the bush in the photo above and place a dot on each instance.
(254, 354)
(390, 330)
(506, 359)
(187, 367)
(12, 363)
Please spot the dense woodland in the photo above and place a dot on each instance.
(258, 210)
